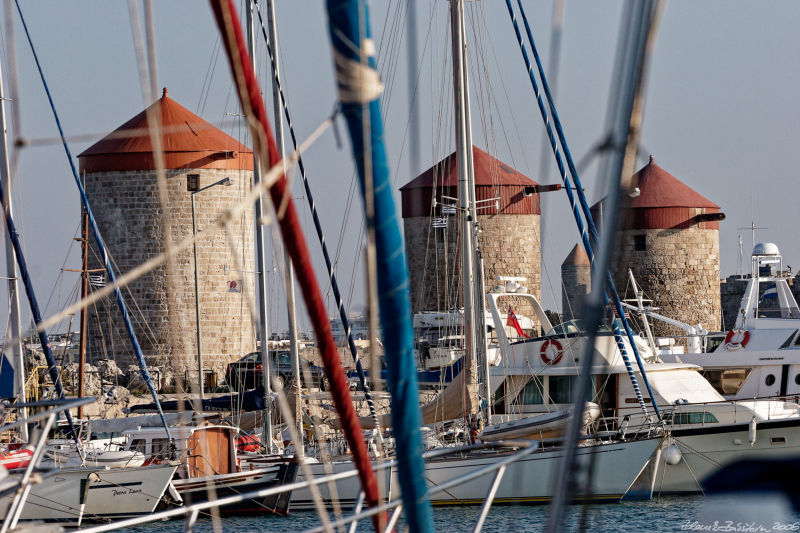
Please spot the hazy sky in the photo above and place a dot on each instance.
(722, 110)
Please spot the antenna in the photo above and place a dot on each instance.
(752, 227)
(741, 259)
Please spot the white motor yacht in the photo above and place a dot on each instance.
(707, 431)
(760, 356)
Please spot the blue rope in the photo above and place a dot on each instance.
(96, 232)
(584, 236)
(347, 34)
(321, 236)
(34, 304)
(585, 206)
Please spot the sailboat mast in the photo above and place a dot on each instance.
(466, 184)
(84, 293)
(261, 279)
(479, 291)
(289, 269)
(14, 324)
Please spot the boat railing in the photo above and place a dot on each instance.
(611, 428)
(711, 413)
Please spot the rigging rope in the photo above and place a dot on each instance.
(321, 236)
(264, 145)
(576, 213)
(96, 232)
(585, 207)
(13, 236)
(350, 36)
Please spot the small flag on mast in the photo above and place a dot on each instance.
(770, 294)
(513, 322)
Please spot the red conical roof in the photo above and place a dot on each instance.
(659, 188)
(496, 184)
(187, 140)
(663, 202)
(577, 257)
(489, 171)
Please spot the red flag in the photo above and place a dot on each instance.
(513, 322)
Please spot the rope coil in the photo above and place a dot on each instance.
(358, 82)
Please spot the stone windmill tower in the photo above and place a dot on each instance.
(668, 236)
(576, 282)
(120, 177)
(509, 238)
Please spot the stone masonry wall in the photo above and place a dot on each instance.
(576, 282)
(679, 270)
(127, 210)
(510, 246)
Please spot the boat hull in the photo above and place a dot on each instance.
(57, 499)
(703, 451)
(69, 496)
(342, 493)
(530, 479)
(196, 490)
(117, 493)
(526, 481)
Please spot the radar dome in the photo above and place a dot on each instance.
(766, 248)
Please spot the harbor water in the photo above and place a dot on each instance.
(763, 514)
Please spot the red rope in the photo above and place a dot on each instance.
(253, 108)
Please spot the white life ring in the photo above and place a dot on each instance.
(546, 352)
(736, 339)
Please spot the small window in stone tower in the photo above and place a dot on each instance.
(640, 243)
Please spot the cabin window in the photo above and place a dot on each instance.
(777, 440)
(640, 243)
(139, 445)
(532, 393)
(499, 403)
(797, 379)
(769, 380)
(682, 419)
(560, 389)
(788, 342)
(160, 447)
(636, 400)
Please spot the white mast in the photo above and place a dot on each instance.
(14, 325)
(289, 272)
(261, 280)
(473, 336)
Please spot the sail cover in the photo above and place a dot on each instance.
(457, 400)
(252, 400)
